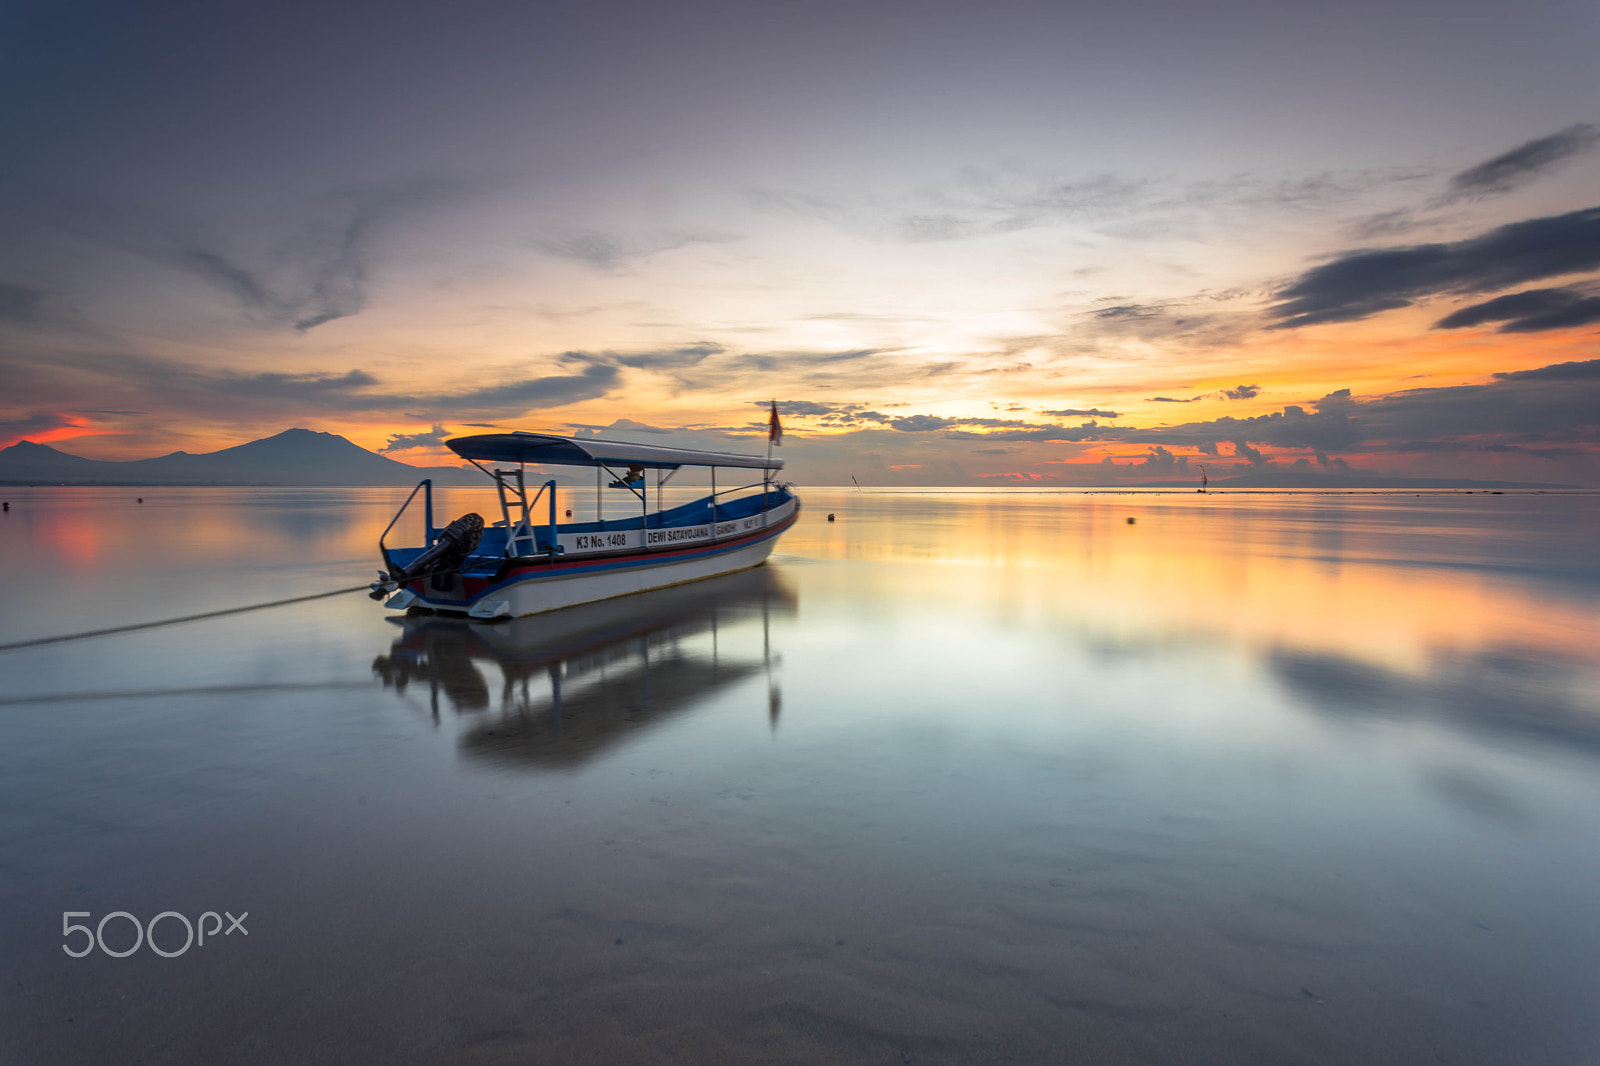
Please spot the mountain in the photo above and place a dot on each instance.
(293, 457)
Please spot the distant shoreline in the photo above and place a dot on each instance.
(1490, 488)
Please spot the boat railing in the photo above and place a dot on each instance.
(763, 485)
(425, 486)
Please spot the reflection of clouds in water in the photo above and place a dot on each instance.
(1479, 795)
(1502, 692)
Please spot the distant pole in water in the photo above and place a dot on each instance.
(857, 483)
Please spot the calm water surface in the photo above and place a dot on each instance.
(963, 778)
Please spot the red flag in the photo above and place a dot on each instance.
(774, 427)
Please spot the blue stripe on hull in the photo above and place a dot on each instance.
(679, 555)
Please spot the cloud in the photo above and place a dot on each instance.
(36, 424)
(923, 423)
(1244, 451)
(1554, 404)
(809, 408)
(1127, 311)
(332, 259)
(1362, 283)
(1160, 460)
(610, 253)
(1529, 311)
(1522, 164)
(1242, 392)
(203, 392)
(1081, 412)
(1006, 428)
(669, 358)
(295, 386)
(402, 442)
(555, 390)
(1171, 399)
(985, 201)
(755, 373)
(315, 271)
(1588, 370)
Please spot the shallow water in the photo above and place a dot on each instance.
(966, 777)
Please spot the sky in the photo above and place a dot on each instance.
(959, 243)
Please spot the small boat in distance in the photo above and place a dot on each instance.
(520, 566)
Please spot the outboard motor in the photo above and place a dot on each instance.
(456, 542)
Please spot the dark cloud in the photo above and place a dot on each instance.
(669, 358)
(1244, 451)
(1363, 283)
(1081, 412)
(1584, 371)
(1529, 311)
(1159, 460)
(15, 429)
(1242, 392)
(295, 386)
(1521, 165)
(923, 423)
(401, 442)
(553, 391)
(1171, 399)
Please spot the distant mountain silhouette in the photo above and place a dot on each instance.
(293, 457)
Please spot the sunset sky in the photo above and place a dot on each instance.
(959, 243)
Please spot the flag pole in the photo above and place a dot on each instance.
(774, 428)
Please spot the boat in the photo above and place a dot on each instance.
(528, 563)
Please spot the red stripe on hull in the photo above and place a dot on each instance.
(472, 587)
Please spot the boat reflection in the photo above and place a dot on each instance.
(578, 682)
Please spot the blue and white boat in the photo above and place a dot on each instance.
(520, 565)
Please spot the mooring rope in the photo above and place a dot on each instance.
(176, 621)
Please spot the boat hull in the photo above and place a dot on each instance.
(552, 584)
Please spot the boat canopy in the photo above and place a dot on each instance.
(521, 447)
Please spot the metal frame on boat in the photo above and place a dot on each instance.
(518, 566)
